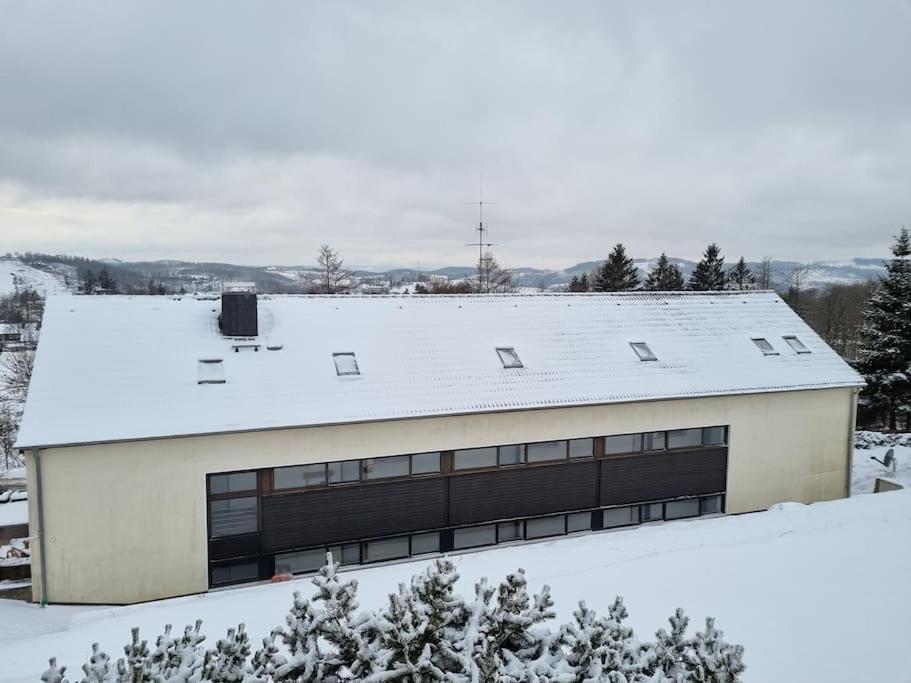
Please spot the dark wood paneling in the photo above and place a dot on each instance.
(522, 492)
(350, 513)
(652, 476)
(234, 546)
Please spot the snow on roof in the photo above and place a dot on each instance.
(119, 368)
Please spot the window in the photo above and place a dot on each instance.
(643, 351)
(545, 526)
(299, 476)
(474, 536)
(766, 348)
(509, 357)
(625, 443)
(510, 455)
(301, 561)
(232, 516)
(651, 512)
(581, 448)
(677, 509)
(237, 571)
(578, 521)
(344, 471)
(383, 468)
(425, 463)
(232, 483)
(796, 344)
(210, 371)
(712, 436)
(544, 451)
(386, 549)
(509, 531)
(684, 438)
(425, 543)
(475, 457)
(614, 517)
(345, 364)
(710, 505)
(349, 553)
(654, 441)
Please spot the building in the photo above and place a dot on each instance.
(175, 444)
(16, 336)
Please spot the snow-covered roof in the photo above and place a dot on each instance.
(115, 368)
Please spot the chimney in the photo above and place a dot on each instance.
(238, 312)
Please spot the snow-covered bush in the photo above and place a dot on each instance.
(866, 440)
(427, 632)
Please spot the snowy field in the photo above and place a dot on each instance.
(14, 273)
(814, 593)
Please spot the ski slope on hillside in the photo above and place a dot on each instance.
(15, 275)
(814, 592)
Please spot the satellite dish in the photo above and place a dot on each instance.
(889, 458)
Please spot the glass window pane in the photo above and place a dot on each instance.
(713, 435)
(349, 553)
(652, 512)
(511, 455)
(232, 516)
(425, 463)
(425, 543)
(676, 509)
(765, 346)
(381, 468)
(581, 448)
(578, 521)
(643, 351)
(475, 457)
(544, 451)
(239, 571)
(624, 443)
(509, 531)
(386, 549)
(300, 561)
(474, 536)
(230, 483)
(684, 438)
(344, 471)
(654, 441)
(509, 357)
(621, 517)
(796, 344)
(299, 475)
(710, 505)
(345, 364)
(545, 526)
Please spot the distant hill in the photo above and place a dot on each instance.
(53, 274)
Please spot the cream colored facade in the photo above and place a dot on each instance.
(126, 522)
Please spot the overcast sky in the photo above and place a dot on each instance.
(251, 132)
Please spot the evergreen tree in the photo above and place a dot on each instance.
(88, 282)
(600, 649)
(54, 674)
(618, 273)
(579, 284)
(668, 655)
(885, 357)
(712, 660)
(709, 274)
(664, 277)
(227, 663)
(740, 276)
(106, 283)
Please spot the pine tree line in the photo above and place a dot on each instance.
(619, 274)
(427, 632)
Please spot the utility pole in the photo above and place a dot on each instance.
(481, 244)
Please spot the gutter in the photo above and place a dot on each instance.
(36, 453)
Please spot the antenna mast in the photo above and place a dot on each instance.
(480, 244)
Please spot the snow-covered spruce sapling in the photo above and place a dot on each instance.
(99, 668)
(711, 659)
(54, 674)
(667, 655)
(600, 648)
(227, 663)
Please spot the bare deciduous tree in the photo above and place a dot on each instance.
(492, 278)
(9, 425)
(16, 371)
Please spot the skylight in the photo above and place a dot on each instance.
(796, 344)
(210, 371)
(764, 345)
(643, 351)
(509, 357)
(345, 364)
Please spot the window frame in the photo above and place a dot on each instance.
(643, 351)
(759, 341)
(509, 358)
(347, 373)
(796, 345)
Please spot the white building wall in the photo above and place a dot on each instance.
(126, 522)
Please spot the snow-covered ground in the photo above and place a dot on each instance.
(866, 470)
(814, 593)
(14, 274)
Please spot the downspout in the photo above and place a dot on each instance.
(851, 426)
(36, 454)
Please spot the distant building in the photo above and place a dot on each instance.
(18, 335)
(171, 448)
